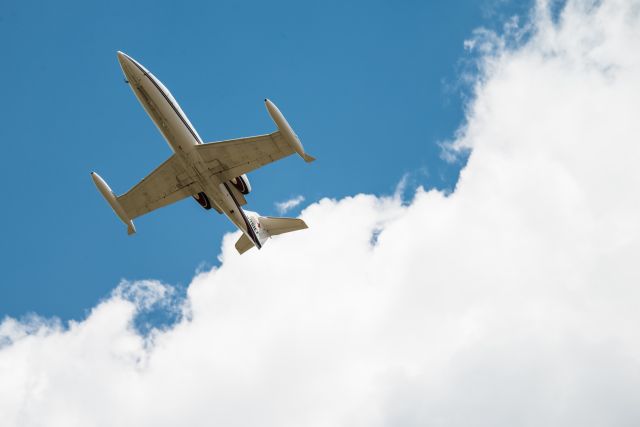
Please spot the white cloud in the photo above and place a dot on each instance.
(287, 205)
(512, 301)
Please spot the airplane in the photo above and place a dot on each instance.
(214, 173)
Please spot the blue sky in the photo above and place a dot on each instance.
(371, 87)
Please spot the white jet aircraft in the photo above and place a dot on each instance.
(214, 174)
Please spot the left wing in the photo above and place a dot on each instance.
(235, 157)
(167, 184)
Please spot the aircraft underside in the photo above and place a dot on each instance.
(214, 174)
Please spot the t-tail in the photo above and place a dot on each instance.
(264, 227)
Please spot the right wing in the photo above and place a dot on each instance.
(235, 157)
(167, 184)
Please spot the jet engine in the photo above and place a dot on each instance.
(203, 200)
(242, 184)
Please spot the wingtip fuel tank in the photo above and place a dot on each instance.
(286, 130)
(110, 197)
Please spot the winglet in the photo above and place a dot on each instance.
(307, 158)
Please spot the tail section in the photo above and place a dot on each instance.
(265, 227)
(244, 244)
(274, 226)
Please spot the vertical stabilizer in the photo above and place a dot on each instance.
(265, 227)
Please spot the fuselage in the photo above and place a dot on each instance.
(183, 138)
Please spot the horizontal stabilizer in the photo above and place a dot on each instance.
(244, 244)
(275, 226)
(268, 226)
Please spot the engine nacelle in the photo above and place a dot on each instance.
(203, 200)
(242, 184)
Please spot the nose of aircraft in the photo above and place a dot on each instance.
(128, 65)
(132, 68)
(123, 59)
